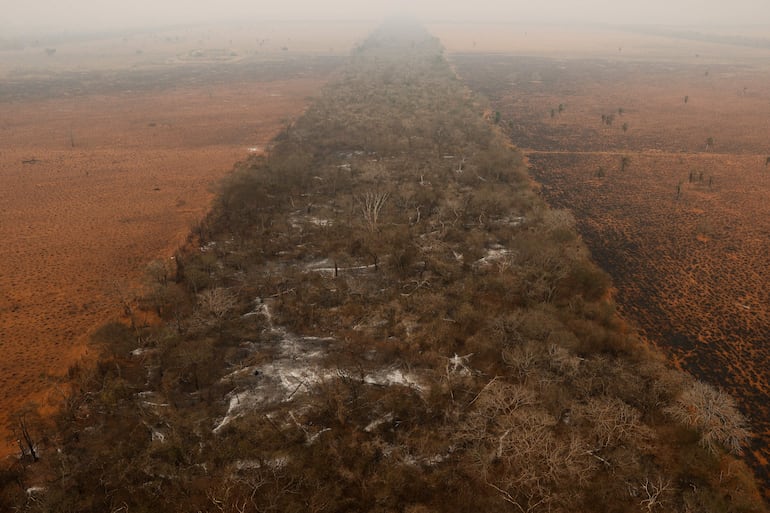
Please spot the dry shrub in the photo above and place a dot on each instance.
(214, 308)
(539, 323)
(115, 339)
(662, 384)
(468, 318)
(586, 280)
(537, 471)
(514, 441)
(559, 225)
(714, 414)
(11, 487)
(564, 338)
(598, 339)
(562, 361)
(613, 422)
(524, 360)
(404, 253)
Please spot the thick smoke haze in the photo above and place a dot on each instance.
(103, 15)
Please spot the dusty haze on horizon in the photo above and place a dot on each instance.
(106, 15)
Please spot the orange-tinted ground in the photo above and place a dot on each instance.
(682, 226)
(104, 168)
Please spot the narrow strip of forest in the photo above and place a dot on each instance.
(381, 315)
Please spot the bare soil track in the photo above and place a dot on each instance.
(665, 165)
(105, 170)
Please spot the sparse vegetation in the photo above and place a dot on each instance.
(608, 119)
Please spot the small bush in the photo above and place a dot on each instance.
(714, 414)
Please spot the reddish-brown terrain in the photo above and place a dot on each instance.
(672, 194)
(106, 160)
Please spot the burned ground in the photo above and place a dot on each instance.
(665, 166)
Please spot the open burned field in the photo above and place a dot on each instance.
(105, 168)
(666, 167)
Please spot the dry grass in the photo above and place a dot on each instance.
(115, 179)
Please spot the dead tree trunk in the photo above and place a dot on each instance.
(26, 443)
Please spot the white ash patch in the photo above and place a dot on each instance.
(370, 324)
(319, 221)
(301, 218)
(311, 439)
(157, 433)
(247, 464)
(323, 264)
(296, 367)
(387, 418)
(459, 365)
(209, 246)
(408, 458)
(388, 377)
(494, 255)
(514, 221)
(327, 265)
(276, 463)
(153, 399)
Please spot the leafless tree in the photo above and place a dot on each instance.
(653, 493)
(613, 422)
(522, 359)
(371, 205)
(214, 306)
(508, 429)
(24, 423)
(158, 272)
(714, 414)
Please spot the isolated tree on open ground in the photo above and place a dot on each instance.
(624, 161)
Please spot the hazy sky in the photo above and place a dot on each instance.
(110, 14)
